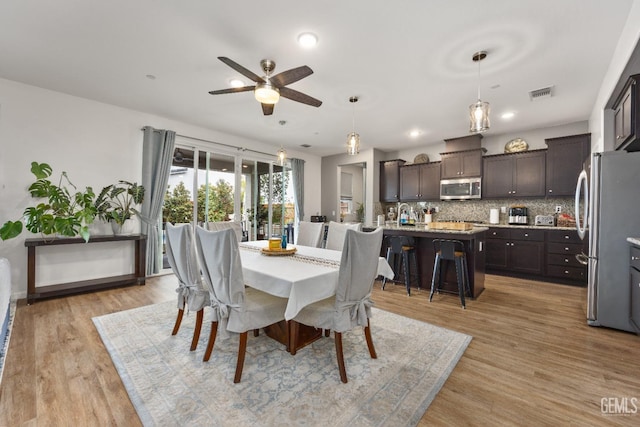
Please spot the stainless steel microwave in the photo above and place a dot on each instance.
(460, 188)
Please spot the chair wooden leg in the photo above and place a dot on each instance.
(340, 356)
(242, 349)
(327, 332)
(367, 335)
(196, 330)
(294, 329)
(212, 340)
(178, 321)
(256, 332)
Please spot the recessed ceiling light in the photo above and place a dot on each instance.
(415, 133)
(236, 83)
(508, 115)
(307, 40)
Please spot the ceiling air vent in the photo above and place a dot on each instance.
(305, 145)
(545, 92)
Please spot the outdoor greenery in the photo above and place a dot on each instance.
(61, 210)
(220, 202)
(178, 207)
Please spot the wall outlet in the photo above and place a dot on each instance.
(558, 209)
(436, 209)
(503, 209)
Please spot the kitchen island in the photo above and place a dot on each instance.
(474, 243)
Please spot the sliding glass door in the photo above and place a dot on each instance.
(206, 186)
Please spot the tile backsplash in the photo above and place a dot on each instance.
(478, 210)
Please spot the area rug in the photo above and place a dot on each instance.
(171, 386)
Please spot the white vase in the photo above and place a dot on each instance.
(124, 229)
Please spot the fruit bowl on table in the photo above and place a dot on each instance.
(290, 250)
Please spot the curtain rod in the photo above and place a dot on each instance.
(224, 145)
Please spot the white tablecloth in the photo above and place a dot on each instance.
(302, 281)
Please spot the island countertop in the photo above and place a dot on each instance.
(423, 228)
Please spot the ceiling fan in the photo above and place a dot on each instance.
(268, 89)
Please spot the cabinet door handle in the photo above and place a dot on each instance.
(507, 243)
(526, 234)
(566, 237)
(566, 260)
(635, 258)
(550, 191)
(566, 272)
(566, 249)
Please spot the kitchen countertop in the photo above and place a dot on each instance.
(477, 227)
(634, 240)
(421, 228)
(541, 227)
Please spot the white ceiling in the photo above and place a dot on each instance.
(408, 61)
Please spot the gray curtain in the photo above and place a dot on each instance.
(157, 155)
(297, 175)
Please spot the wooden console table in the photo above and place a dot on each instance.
(137, 277)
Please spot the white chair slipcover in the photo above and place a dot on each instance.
(335, 235)
(223, 225)
(181, 254)
(234, 308)
(309, 234)
(351, 306)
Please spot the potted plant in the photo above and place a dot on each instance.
(116, 203)
(63, 210)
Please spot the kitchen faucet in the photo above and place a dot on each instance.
(400, 211)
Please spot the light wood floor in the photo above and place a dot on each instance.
(532, 361)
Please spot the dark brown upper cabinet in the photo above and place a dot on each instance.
(461, 164)
(420, 182)
(565, 160)
(514, 175)
(626, 120)
(390, 180)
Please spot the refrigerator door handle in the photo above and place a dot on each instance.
(582, 185)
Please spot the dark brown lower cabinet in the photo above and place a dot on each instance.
(515, 250)
(536, 253)
(634, 282)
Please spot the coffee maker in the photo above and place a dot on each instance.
(518, 215)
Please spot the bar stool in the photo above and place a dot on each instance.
(450, 250)
(402, 249)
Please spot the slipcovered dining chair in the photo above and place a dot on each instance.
(181, 254)
(310, 233)
(351, 306)
(223, 225)
(336, 233)
(235, 308)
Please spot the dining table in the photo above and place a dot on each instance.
(303, 276)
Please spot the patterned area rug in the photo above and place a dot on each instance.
(169, 385)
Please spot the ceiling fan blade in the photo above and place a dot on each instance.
(290, 76)
(294, 95)
(239, 68)
(267, 109)
(232, 90)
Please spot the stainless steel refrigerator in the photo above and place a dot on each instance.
(611, 201)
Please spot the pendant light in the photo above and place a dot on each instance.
(479, 111)
(282, 156)
(353, 139)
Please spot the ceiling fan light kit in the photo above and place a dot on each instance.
(266, 93)
(353, 139)
(479, 111)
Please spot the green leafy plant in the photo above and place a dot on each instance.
(116, 202)
(64, 211)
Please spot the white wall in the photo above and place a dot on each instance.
(96, 144)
